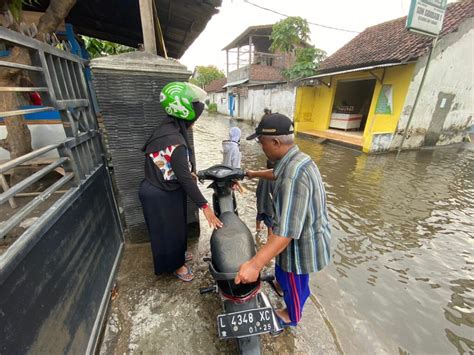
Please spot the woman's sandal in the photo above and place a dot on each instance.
(186, 277)
(188, 256)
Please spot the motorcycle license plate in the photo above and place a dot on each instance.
(245, 323)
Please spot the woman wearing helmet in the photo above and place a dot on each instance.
(169, 163)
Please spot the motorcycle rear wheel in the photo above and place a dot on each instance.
(250, 345)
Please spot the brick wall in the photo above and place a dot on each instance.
(265, 73)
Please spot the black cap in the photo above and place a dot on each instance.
(274, 124)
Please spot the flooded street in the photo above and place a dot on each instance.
(401, 277)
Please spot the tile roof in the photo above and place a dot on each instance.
(390, 42)
(216, 85)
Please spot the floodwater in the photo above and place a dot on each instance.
(401, 279)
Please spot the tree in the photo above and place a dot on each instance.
(18, 140)
(206, 74)
(292, 35)
(289, 34)
(99, 48)
(306, 63)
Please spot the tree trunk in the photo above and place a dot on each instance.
(56, 12)
(18, 140)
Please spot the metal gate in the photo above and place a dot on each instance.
(56, 277)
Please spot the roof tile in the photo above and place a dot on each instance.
(216, 85)
(390, 42)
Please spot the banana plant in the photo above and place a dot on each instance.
(100, 48)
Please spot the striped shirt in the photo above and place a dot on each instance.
(300, 214)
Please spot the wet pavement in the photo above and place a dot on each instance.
(162, 315)
(401, 277)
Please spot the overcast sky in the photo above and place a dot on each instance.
(236, 15)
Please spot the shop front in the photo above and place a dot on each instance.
(351, 107)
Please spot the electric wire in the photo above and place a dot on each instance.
(311, 23)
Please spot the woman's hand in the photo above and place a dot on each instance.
(213, 221)
(237, 186)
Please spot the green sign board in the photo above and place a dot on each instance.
(426, 16)
(385, 101)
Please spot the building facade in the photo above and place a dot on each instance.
(363, 94)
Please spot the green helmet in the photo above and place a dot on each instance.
(177, 99)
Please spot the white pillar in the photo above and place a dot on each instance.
(238, 57)
(250, 50)
(148, 26)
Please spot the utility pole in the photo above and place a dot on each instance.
(427, 65)
(425, 18)
(148, 26)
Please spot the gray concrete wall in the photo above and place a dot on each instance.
(239, 74)
(280, 98)
(444, 110)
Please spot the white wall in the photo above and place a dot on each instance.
(450, 73)
(219, 98)
(41, 136)
(279, 99)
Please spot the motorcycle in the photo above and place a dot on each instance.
(247, 310)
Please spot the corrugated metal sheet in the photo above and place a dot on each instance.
(235, 83)
(338, 72)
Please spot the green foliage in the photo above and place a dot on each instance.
(15, 6)
(206, 74)
(100, 48)
(289, 34)
(212, 107)
(306, 63)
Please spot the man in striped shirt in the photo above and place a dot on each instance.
(302, 236)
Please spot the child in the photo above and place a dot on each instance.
(264, 202)
(231, 149)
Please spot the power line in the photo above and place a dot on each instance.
(311, 23)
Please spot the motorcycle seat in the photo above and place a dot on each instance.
(231, 245)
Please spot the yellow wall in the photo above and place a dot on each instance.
(399, 77)
(311, 109)
(304, 108)
(319, 101)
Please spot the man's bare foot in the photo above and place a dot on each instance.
(283, 315)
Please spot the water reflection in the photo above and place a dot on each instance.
(459, 311)
(402, 241)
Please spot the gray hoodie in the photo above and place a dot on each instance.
(231, 149)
